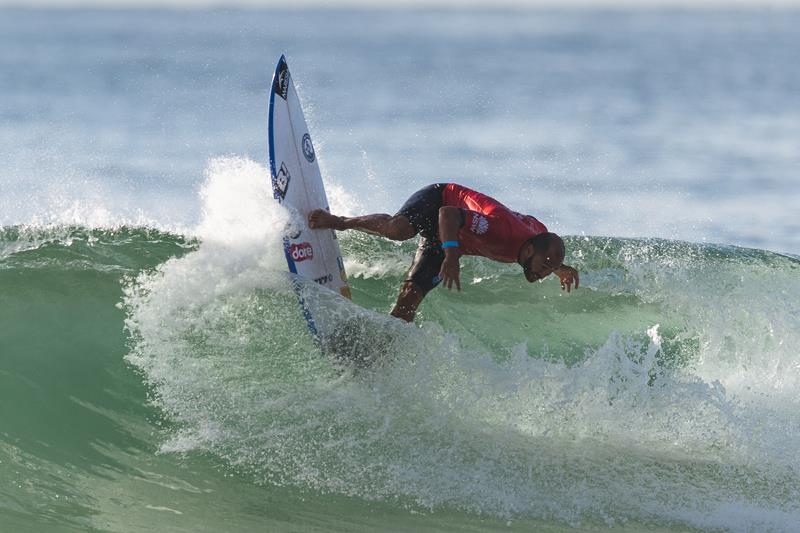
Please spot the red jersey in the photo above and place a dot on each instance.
(490, 229)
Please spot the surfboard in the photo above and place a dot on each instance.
(297, 184)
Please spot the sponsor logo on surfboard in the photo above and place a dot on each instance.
(282, 81)
(324, 279)
(308, 148)
(280, 183)
(301, 251)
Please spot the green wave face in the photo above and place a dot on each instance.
(151, 380)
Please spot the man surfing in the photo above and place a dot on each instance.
(452, 221)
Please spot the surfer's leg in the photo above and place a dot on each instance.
(422, 276)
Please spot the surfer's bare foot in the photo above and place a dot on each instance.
(321, 219)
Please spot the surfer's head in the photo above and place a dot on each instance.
(541, 256)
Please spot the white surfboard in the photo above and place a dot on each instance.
(297, 184)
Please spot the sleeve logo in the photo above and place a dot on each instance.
(479, 225)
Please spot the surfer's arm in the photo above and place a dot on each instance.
(450, 219)
(568, 276)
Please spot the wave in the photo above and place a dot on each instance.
(664, 389)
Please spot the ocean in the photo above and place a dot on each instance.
(156, 373)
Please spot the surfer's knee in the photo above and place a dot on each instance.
(399, 228)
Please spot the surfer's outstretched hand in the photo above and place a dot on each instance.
(450, 271)
(568, 276)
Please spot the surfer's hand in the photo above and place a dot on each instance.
(449, 272)
(568, 276)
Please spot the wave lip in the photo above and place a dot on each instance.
(641, 387)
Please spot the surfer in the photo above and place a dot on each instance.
(452, 221)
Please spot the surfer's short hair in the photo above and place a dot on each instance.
(543, 242)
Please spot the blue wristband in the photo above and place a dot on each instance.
(450, 244)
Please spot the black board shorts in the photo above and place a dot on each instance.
(422, 210)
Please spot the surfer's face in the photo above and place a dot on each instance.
(541, 264)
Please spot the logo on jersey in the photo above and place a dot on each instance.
(479, 225)
(308, 148)
(282, 81)
(301, 251)
(280, 183)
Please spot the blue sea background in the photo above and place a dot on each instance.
(676, 124)
(155, 373)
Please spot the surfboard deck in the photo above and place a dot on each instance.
(297, 184)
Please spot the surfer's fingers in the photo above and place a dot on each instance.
(566, 283)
